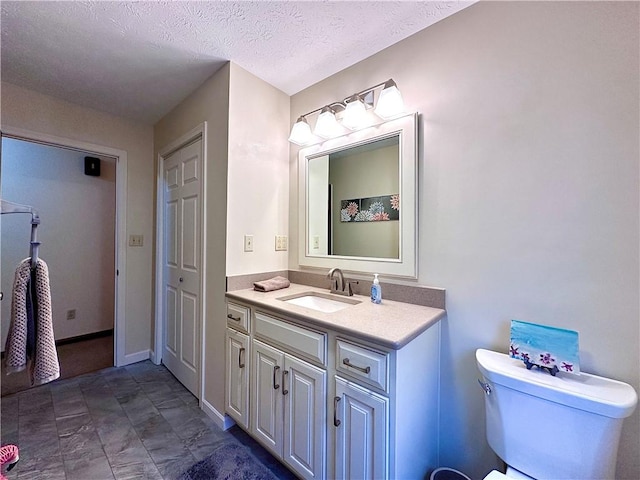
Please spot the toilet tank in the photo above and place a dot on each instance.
(562, 427)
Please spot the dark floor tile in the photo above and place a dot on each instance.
(155, 432)
(135, 471)
(138, 408)
(50, 468)
(92, 464)
(34, 400)
(203, 445)
(70, 404)
(114, 429)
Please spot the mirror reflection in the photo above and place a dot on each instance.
(353, 201)
(358, 201)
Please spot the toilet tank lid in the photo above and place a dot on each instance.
(587, 392)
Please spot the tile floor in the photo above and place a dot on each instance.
(134, 422)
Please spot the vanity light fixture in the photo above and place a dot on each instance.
(301, 132)
(355, 114)
(327, 125)
(390, 101)
(350, 113)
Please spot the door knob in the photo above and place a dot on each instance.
(181, 279)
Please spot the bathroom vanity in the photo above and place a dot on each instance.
(352, 393)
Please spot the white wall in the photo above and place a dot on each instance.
(258, 186)
(77, 232)
(28, 110)
(529, 192)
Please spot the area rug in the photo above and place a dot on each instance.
(230, 461)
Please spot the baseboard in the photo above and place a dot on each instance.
(135, 357)
(225, 422)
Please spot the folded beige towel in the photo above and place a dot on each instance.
(275, 283)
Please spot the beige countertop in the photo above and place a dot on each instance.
(390, 324)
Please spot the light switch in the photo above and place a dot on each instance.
(248, 243)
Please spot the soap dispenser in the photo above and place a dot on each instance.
(376, 290)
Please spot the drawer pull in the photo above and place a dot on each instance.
(336, 422)
(275, 372)
(240, 361)
(233, 318)
(366, 369)
(284, 377)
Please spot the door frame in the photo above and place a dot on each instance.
(200, 131)
(120, 280)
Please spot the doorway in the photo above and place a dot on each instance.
(90, 257)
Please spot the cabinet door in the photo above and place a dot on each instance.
(362, 436)
(237, 387)
(266, 411)
(305, 422)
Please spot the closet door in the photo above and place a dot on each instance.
(182, 264)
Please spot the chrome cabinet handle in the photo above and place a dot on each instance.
(366, 369)
(275, 372)
(284, 377)
(233, 318)
(240, 361)
(336, 422)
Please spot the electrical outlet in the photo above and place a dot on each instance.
(281, 242)
(136, 240)
(71, 314)
(316, 242)
(248, 243)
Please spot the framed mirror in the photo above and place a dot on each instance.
(358, 201)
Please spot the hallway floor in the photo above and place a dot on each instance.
(134, 422)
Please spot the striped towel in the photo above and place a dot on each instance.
(30, 339)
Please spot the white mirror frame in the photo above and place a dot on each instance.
(406, 266)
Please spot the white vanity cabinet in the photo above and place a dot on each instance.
(386, 408)
(289, 395)
(361, 421)
(237, 364)
(340, 395)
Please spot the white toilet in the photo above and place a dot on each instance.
(545, 427)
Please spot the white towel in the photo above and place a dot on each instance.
(43, 363)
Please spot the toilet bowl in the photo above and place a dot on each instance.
(549, 427)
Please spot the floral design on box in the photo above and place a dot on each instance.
(551, 348)
(371, 209)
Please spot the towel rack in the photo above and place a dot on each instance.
(11, 207)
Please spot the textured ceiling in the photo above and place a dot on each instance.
(140, 59)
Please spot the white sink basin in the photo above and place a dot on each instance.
(320, 302)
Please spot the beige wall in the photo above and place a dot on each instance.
(28, 110)
(209, 103)
(258, 185)
(528, 188)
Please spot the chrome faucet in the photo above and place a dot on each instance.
(338, 284)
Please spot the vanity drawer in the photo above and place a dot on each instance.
(304, 342)
(363, 363)
(238, 317)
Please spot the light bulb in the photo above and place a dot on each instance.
(327, 126)
(355, 115)
(300, 132)
(390, 102)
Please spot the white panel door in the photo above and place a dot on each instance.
(182, 264)
(361, 433)
(267, 411)
(237, 391)
(305, 417)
